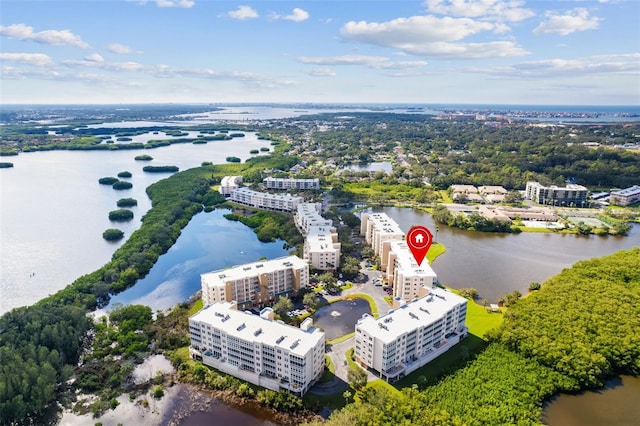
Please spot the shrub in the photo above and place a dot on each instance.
(120, 185)
(113, 234)
(120, 215)
(127, 202)
(124, 174)
(534, 286)
(107, 180)
(158, 392)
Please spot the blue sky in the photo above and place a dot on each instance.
(384, 51)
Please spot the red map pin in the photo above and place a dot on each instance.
(419, 240)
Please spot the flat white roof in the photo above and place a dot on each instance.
(254, 328)
(384, 224)
(407, 263)
(408, 317)
(319, 239)
(633, 190)
(219, 277)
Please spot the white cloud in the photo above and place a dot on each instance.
(431, 36)
(376, 62)
(627, 64)
(120, 49)
(488, 9)
(297, 15)
(56, 37)
(176, 3)
(322, 72)
(243, 12)
(36, 59)
(574, 20)
(94, 57)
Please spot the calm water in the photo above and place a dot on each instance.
(496, 264)
(615, 405)
(208, 243)
(53, 211)
(339, 318)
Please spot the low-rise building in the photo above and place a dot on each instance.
(228, 184)
(411, 335)
(264, 200)
(256, 283)
(321, 248)
(570, 195)
(256, 348)
(625, 197)
(406, 277)
(291, 183)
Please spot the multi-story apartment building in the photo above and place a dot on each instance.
(379, 230)
(255, 283)
(263, 200)
(256, 348)
(308, 215)
(570, 195)
(405, 275)
(291, 183)
(321, 248)
(411, 335)
(625, 197)
(229, 184)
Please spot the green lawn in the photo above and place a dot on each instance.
(195, 307)
(435, 250)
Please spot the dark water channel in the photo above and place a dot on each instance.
(339, 318)
(617, 404)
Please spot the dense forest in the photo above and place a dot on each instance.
(580, 328)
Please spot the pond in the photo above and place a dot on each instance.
(339, 318)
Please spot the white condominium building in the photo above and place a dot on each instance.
(229, 184)
(404, 274)
(308, 215)
(625, 197)
(321, 248)
(290, 183)
(571, 194)
(378, 229)
(410, 336)
(263, 200)
(257, 349)
(255, 283)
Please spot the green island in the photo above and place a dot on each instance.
(143, 157)
(500, 374)
(6, 165)
(160, 169)
(113, 234)
(124, 174)
(127, 202)
(109, 180)
(121, 185)
(120, 215)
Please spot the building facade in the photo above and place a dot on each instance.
(257, 349)
(379, 230)
(291, 183)
(266, 201)
(625, 197)
(570, 195)
(228, 184)
(321, 248)
(256, 283)
(411, 335)
(308, 215)
(406, 277)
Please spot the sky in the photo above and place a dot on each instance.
(555, 52)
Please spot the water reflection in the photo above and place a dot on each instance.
(339, 318)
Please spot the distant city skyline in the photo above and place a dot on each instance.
(570, 52)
